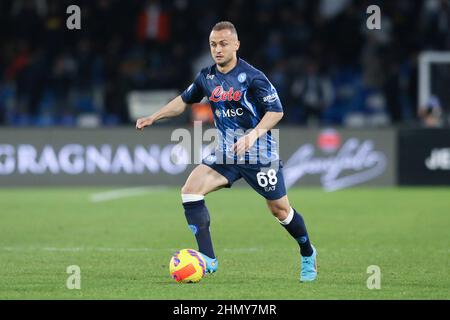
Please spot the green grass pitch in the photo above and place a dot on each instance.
(123, 246)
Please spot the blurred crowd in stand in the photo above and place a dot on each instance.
(327, 66)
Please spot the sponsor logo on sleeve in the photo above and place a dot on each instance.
(270, 98)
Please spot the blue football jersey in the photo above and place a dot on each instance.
(239, 99)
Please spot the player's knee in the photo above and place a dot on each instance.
(189, 189)
(279, 211)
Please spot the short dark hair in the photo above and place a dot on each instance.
(224, 25)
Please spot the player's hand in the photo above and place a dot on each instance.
(244, 143)
(144, 122)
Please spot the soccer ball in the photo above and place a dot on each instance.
(187, 265)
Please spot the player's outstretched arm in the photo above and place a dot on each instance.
(170, 110)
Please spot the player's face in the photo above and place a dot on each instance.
(223, 44)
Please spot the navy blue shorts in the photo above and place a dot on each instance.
(267, 180)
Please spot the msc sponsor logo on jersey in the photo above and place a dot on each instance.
(229, 113)
(219, 94)
(271, 98)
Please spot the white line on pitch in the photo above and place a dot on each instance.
(124, 193)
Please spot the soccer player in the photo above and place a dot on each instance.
(246, 107)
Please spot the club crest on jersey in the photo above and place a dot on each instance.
(242, 76)
(218, 94)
